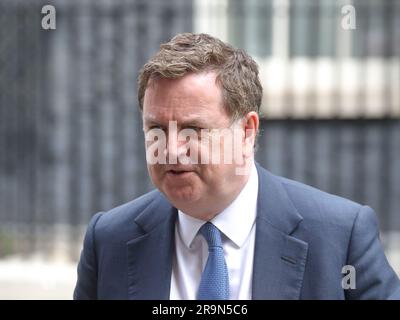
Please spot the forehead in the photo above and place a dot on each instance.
(196, 95)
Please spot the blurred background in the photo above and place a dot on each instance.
(71, 142)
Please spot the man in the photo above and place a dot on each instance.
(224, 229)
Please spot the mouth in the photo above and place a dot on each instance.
(179, 173)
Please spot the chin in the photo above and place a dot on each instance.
(181, 197)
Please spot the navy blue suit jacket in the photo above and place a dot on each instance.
(303, 239)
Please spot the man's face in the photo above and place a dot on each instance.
(194, 102)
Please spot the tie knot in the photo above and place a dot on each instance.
(212, 235)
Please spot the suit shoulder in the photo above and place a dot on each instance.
(319, 206)
(134, 207)
(120, 221)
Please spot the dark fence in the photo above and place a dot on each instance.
(71, 142)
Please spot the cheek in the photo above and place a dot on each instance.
(212, 175)
(204, 149)
(219, 150)
(154, 172)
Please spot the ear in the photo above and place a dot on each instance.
(250, 125)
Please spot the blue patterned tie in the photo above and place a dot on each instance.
(214, 284)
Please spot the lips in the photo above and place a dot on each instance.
(178, 172)
(178, 169)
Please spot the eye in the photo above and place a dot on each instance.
(156, 127)
(197, 129)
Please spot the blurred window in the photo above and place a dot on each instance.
(250, 25)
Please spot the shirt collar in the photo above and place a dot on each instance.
(235, 221)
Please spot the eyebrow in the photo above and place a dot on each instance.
(195, 122)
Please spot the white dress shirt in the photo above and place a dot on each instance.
(237, 226)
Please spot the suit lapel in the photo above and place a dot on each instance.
(279, 258)
(150, 255)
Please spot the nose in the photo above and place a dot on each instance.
(174, 148)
